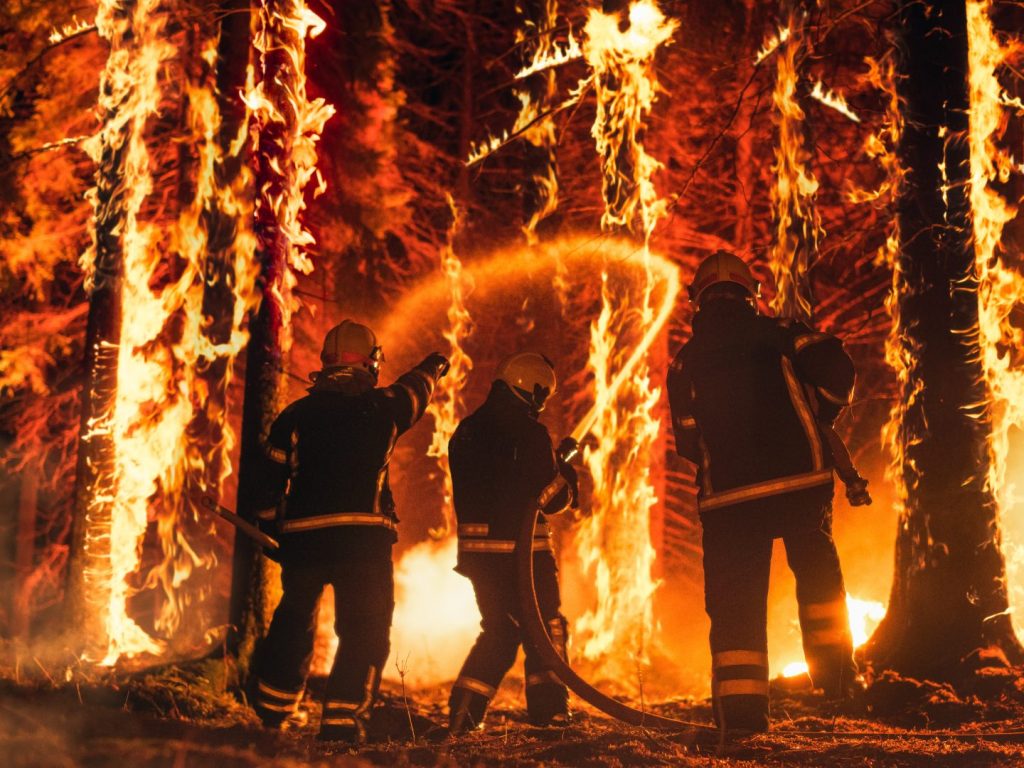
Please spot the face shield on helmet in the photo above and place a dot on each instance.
(354, 346)
(530, 376)
(723, 267)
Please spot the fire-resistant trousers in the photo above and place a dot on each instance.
(737, 561)
(494, 582)
(363, 606)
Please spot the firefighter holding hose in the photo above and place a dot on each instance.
(501, 459)
(753, 399)
(329, 502)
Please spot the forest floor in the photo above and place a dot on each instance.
(183, 715)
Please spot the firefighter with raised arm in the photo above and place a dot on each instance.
(329, 502)
(501, 460)
(753, 400)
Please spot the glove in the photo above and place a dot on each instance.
(857, 493)
(567, 450)
(437, 364)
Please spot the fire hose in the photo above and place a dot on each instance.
(536, 634)
(532, 624)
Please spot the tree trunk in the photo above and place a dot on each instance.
(250, 610)
(948, 596)
(87, 595)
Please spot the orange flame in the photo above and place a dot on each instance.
(446, 404)
(797, 226)
(614, 543)
(865, 616)
(1000, 287)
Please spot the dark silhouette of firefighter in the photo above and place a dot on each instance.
(329, 502)
(753, 400)
(501, 460)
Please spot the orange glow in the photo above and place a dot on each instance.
(1000, 286)
(446, 406)
(148, 411)
(613, 542)
(797, 225)
(865, 616)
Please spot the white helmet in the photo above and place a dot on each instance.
(530, 376)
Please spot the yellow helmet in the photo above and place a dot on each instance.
(530, 376)
(723, 267)
(352, 345)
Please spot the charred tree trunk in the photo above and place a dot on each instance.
(949, 595)
(264, 364)
(86, 600)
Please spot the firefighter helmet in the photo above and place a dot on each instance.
(530, 376)
(352, 345)
(723, 267)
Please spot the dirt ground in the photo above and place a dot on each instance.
(186, 716)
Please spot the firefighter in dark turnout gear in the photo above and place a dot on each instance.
(750, 396)
(501, 460)
(329, 503)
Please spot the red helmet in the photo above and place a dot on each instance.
(723, 267)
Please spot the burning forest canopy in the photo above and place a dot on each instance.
(186, 191)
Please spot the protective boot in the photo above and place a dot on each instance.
(466, 710)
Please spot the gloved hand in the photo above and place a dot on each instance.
(437, 364)
(857, 493)
(572, 479)
(567, 450)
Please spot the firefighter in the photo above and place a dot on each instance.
(329, 501)
(501, 460)
(751, 397)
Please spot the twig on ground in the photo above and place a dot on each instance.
(402, 669)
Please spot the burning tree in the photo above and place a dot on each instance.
(949, 596)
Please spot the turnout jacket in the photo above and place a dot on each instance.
(329, 454)
(747, 395)
(501, 459)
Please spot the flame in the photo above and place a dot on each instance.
(771, 45)
(1000, 286)
(833, 100)
(865, 616)
(288, 132)
(446, 404)
(797, 226)
(535, 98)
(145, 410)
(75, 27)
(548, 54)
(167, 341)
(614, 543)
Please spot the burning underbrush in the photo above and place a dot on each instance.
(64, 713)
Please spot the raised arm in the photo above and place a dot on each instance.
(408, 397)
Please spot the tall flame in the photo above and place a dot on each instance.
(446, 404)
(797, 226)
(614, 542)
(1000, 286)
(146, 402)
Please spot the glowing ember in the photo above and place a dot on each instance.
(1000, 286)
